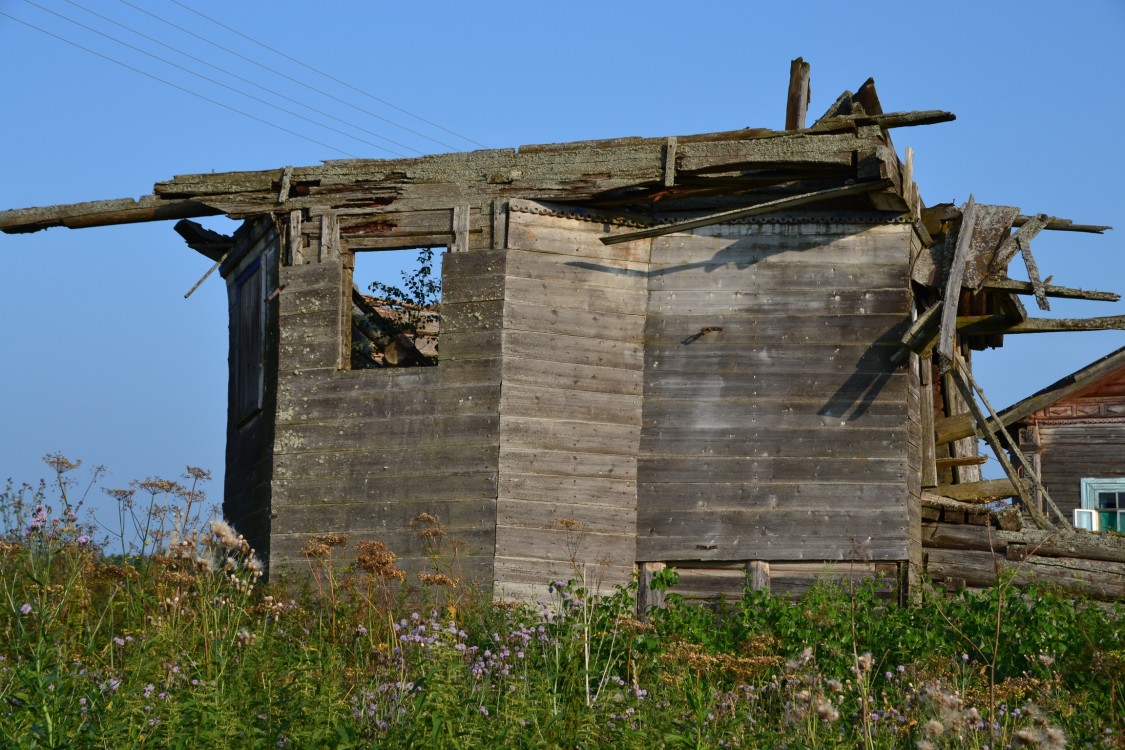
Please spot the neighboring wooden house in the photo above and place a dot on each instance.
(724, 352)
(1073, 435)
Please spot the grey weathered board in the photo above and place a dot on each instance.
(573, 346)
(773, 386)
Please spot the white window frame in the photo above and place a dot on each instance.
(1090, 514)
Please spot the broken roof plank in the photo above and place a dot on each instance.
(992, 227)
(952, 295)
(1012, 245)
(1026, 287)
(1033, 275)
(755, 210)
(101, 213)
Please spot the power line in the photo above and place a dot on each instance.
(217, 83)
(245, 80)
(181, 88)
(328, 76)
(290, 78)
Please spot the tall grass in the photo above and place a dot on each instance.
(173, 642)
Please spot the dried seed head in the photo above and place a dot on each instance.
(225, 535)
(437, 579)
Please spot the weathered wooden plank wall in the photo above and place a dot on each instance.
(774, 425)
(364, 452)
(570, 406)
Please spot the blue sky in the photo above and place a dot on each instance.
(104, 359)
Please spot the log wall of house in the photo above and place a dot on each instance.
(364, 452)
(251, 275)
(1069, 452)
(570, 409)
(775, 426)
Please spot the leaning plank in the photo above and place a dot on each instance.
(1033, 275)
(741, 213)
(952, 296)
(101, 213)
(1026, 287)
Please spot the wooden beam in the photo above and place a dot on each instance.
(962, 461)
(1025, 287)
(206, 242)
(953, 428)
(977, 492)
(797, 104)
(101, 214)
(740, 213)
(885, 121)
(952, 295)
(978, 325)
(921, 333)
(1063, 225)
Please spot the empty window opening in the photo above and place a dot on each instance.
(396, 308)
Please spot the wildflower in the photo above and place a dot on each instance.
(964, 657)
(361, 630)
(119, 640)
(484, 710)
(83, 540)
(934, 728)
(827, 712)
(25, 609)
(224, 533)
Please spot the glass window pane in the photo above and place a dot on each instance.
(1107, 499)
(1109, 521)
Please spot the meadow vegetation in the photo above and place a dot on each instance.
(172, 640)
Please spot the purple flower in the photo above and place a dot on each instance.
(83, 540)
(119, 641)
(25, 609)
(361, 630)
(964, 657)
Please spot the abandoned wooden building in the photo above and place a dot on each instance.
(729, 352)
